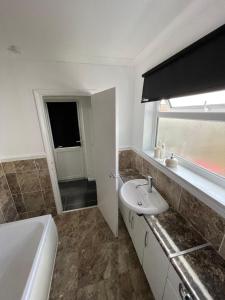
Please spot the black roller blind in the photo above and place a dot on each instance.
(198, 68)
(64, 123)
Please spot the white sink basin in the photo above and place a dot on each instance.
(140, 200)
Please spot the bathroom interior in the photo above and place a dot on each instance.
(112, 150)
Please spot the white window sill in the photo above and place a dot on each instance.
(208, 192)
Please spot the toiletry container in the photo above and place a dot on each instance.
(157, 152)
(171, 162)
(163, 151)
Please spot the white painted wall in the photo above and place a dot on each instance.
(198, 19)
(20, 133)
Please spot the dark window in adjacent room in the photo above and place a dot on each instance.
(64, 123)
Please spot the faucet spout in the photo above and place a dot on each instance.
(149, 184)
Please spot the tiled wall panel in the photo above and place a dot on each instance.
(25, 189)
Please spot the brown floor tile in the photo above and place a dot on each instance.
(126, 290)
(92, 264)
(92, 292)
(64, 284)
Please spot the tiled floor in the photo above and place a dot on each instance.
(92, 264)
(78, 194)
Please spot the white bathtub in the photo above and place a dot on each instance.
(27, 257)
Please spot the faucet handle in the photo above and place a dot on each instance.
(149, 178)
(150, 183)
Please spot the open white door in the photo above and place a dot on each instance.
(105, 155)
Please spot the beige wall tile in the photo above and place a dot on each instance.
(138, 163)
(9, 167)
(13, 183)
(4, 191)
(23, 181)
(2, 220)
(1, 169)
(7, 207)
(34, 201)
(149, 169)
(49, 198)
(29, 182)
(169, 189)
(10, 214)
(125, 159)
(37, 213)
(19, 203)
(203, 218)
(51, 210)
(41, 163)
(25, 165)
(45, 180)
(23, 216)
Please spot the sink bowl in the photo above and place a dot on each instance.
(140, 200)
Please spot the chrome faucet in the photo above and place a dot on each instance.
(149, 183)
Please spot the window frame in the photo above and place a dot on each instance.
(190, 114)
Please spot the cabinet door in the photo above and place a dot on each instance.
(175, 288)
(155, 264)
(138, 234)
(170, 293)
(127, 216)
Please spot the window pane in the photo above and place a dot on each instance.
(64, 123)
(214, 98)
(201, 142)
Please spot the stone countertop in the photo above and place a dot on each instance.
(202, 270)
(173, 232)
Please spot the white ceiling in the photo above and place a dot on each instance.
(113, 31)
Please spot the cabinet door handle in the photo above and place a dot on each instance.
(129, 216)
(132, 222)
(146, 238)
(184, 293)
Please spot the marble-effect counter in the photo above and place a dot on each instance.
(202, 270)
(173, 232)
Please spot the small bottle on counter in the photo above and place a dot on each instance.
(157, 152)
(163, 151)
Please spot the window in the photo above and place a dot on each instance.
(193, 128)
(64, 124)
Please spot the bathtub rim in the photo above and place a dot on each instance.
(46, 221)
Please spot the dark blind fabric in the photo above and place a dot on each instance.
(64, 123)
(198, 68)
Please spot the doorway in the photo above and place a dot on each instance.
(102, 139)
(64, 118)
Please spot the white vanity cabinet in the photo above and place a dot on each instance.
(138, 234)
(155, 264)
(163, 279)
(175, 289)
(170, 292)
(136, 227)
(154, 261)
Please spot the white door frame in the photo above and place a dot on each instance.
(39, 95)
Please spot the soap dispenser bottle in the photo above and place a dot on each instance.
(171, 162)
